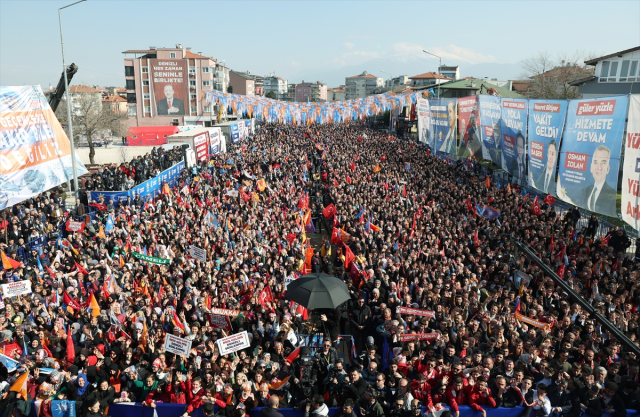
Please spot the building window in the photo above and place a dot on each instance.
(145, 83)
(147, 109)
(207, 109)
(633, 72)
(131, 84)
(604, 71)
(192, 71)
(194, 109)
(146, 96)
(131, 97)
(145, 70)
(624, 70)
(172, 54)
(132, 111)
(206, 69)
(128, 72)
(192, 83)
(206, 83)
(193, 96)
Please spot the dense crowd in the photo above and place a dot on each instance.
(406, 233)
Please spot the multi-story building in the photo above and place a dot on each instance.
(291, 92)
(316, 92)
(115, 103)
(400, 80)
(362, 85)
(166, 86)
(277, 85)
(242, 83)
(221, 80)
(611, 74)
(451, 71)
(428, 78)
(336, 94)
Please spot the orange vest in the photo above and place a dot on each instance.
(115, 382)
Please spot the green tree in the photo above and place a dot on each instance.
(230, 89)
(272, 95)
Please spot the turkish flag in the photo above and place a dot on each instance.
(71, 302)
(550, 200)
(536, 207)
(348, 256)
(329, 211)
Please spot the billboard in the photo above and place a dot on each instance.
(169, 83)
(443, 124)
(214, 140)
(590, 153)
(424, 122)
(490, 113)
(469, 122)
(201, 146)
(546, 122)
(235, 133)
(35, 152)
(631, 171)
(513, 146)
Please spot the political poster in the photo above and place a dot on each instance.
(201, 145)
(469, 123)
(416, 312)
(35, 152)
(177, 345)
(214, 141)
(424, 122)
(224, 312)
(443, 124)
(16, 288)
(631, 170)
(198, 253)
(407, 337)
(235, 133)
(233, 343)
(546, 123)
(490, 114)
(169, 85)
(219, 322)
(590, 153)
(72, 226)
(513, 145)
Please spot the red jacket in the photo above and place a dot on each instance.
(456, 398)
(193, 400)
(420, 391)
(477, 398)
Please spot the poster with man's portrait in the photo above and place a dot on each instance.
(169, 79)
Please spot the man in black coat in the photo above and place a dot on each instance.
(560, 398)
(359, 318)
(613, 404)
(170, 106)
(600, 197)
(271, 411)
(591, 403)
(356, 386)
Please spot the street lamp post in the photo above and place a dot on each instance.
(390, 78)
(66, 89)
(439, 80)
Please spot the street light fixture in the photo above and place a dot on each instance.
(66, 89)
(439, 80)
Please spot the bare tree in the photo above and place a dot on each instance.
(91, 119)
(123, 154)
(550, 77)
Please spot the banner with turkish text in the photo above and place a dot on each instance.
(469, 124)
(513, 138)
(169, 84)
(444, 115)
(631, 170)
(424, 122)
(490, 113)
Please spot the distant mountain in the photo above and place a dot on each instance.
(406, 64)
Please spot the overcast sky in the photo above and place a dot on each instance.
(298, 38)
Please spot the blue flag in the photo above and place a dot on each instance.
(523, 192)
(63, 408)
(39, 264)
(109, 226)
(386, 353)
(361, 213)
(310, 228)
(367, 228)
(10, 364)
(489, 212)
(395, 247)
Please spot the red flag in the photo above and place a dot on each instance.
(82, 270)
(551, 245)
(535, 209)
(469, 205)
(292, 357)
(329, 211)
(348, 179)
(290, 238)
(352, 166)
(348, 256)
(71, 350)
(476, 241)
(561, 271)
(615, 265)
(487, 182)
(550, 200)
(335, 182)
(71, 302)
(383, 157)
(265, 296)
(404, 191)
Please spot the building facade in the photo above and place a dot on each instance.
(166, 86)
(428, 78)
(316, 92)
(243, 83)
(277, 85)
(451, 71)
(400, 80)
(337, 94)
(615, 74)
(362, 85)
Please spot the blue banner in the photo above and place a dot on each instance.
(235, 133)
(590, 153)
(490, 114)
(151, 188)
(63, 408)
(546, 122)
(443, 125)
(514, 134)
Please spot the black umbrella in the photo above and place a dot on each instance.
(318, 291)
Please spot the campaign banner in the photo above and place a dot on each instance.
(147, 190)
(198, 253)
(424, 122)
(469, 123)
(151, 259)
(513, 135)
(224, 312)
(219, 322)
(233, 343)
(443, 124)
(631, 170)
(72, 226)
(177, 345)
(407, 337)
(546, 123)
(169, 84)
(201, 145)
(416, 312)
(214, 141)
(16, 288)
(590, 153)
(490, 114)
(234, 133)
(35, 152)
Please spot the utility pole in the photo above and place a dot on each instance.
(439, 79)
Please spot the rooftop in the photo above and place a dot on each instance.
(429, 75)
(113, 99)
(466, 84)
(364, 74)
(594, 61)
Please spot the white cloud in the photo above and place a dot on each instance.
(349, 45)
(294, 64)
(453, 52)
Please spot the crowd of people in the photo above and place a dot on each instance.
(401, 228)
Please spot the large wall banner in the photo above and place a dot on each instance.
(170, 86)
(443, 124)
(546, 121)
(590, 153)
(424, 122)
(631, 171)
(35, 152)
(514, 134)
(490, 128)
(469, 122)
